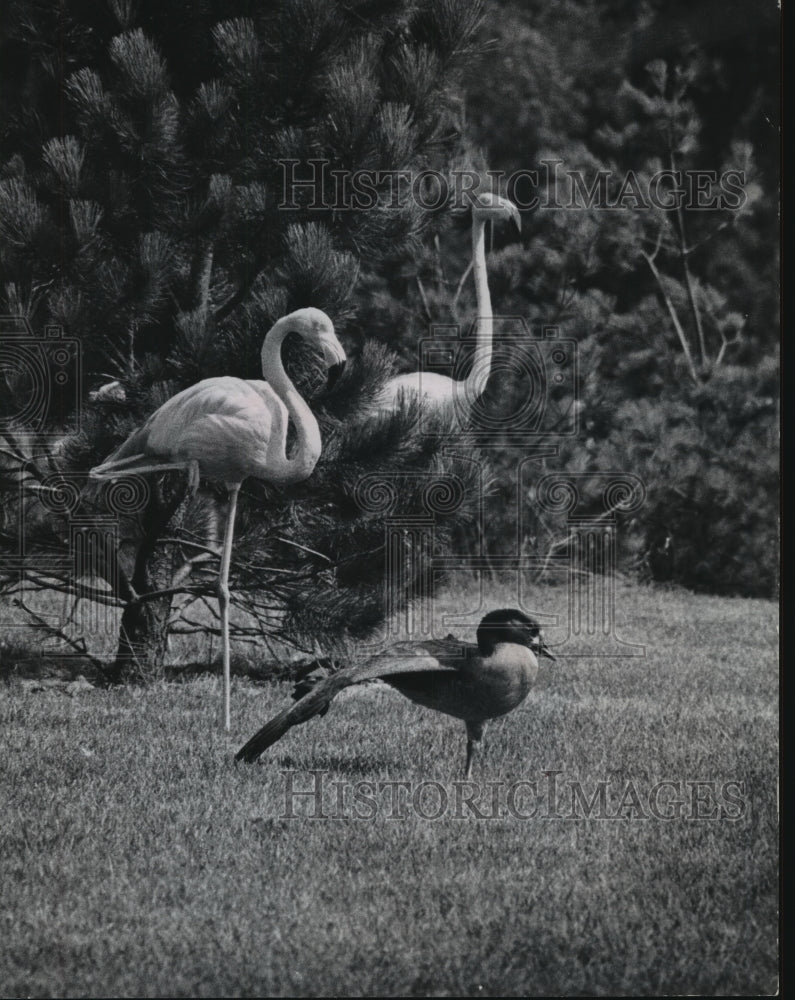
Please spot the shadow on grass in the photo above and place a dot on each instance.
(18, 660)
(346, 764)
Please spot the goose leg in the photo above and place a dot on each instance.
(474, 736)
(223, 599)
(471, 744)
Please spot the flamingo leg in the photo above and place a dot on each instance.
(223, 599)
(193, 478)
(193, 473)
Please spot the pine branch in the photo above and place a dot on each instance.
(695, 311)
(650, 260)
(54, 632)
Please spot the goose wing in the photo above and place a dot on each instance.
(428, 658)
(447, 655)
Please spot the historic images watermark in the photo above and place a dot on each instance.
(315, 185)
(538, 410)
(547, 795)
(46, 373)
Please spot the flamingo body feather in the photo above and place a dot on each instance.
(234, 428)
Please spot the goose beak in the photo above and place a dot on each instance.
(544, 651)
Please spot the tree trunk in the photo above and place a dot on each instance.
(143, 637)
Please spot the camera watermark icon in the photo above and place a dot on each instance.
(43, 379)
(62, 547)
(528, 407)
(537, 377)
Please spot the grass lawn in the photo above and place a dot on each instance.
(137, 859)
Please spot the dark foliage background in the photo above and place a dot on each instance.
(618, 87)
(139, 209)
(139, 194)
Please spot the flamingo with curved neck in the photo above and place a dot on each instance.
(227, 429)
(441, 391)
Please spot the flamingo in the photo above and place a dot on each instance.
(474, 683)
(441, 391)
(227, 429)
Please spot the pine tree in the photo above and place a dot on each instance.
(145, 154)
(599, 86)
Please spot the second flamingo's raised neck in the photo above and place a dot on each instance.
(308, 446)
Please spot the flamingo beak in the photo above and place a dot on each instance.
(334, 356)
(334, 373)
(517, 218)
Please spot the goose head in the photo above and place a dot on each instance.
(510, 625)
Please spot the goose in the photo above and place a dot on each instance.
(471, 682)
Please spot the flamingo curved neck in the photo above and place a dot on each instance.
(481, 363)
(308, 446)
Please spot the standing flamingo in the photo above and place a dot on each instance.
(441, 391)
(227, 429)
